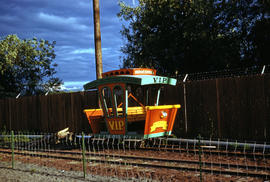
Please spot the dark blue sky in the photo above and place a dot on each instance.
(70, 24)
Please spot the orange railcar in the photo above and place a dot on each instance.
(122, 113)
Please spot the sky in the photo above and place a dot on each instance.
(70, 23)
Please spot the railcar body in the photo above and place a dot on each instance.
(129, 101)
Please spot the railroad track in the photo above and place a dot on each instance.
(152, 162)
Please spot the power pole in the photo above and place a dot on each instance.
(98, 53)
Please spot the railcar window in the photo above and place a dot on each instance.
(107, 101)
(118, 96)
(136, 92)
(139, 93)
(147, 95)
(151, 95)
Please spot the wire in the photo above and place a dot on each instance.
(227, 73)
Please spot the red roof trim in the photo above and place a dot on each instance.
(130, 71)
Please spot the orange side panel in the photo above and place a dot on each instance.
(155, 123)
(94, 116)
(160, 120)
(172, 119)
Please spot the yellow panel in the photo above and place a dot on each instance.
(91, 110)
(136, 114)
(162, 107)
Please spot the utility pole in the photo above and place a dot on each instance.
(97, 34)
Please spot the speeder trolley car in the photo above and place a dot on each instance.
(129, 101)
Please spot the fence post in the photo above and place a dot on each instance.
(200, 157)
(12, 148)
(83, 155)
(185, 102)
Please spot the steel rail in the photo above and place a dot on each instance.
(220, 143)
(210, 151)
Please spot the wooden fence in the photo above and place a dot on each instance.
(235, 108)
(47, 113)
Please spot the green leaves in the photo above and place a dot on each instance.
(26, 66)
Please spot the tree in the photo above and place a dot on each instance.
(26, 67)
(188, 36)
(259, 34)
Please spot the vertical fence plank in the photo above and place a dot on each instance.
(218, 109)
(266, 123)
(12, 148)
(72, 105)
(4, 115)
(2, 119)
(228, 106)
(25, 114)
(68, 113)
(44, 113)
(201, 108)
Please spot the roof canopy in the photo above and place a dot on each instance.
(131, 79)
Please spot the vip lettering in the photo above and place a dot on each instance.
(160, 80)
(116, 125)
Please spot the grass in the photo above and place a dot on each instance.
(5, 141)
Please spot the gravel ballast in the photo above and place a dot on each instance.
(35, 173)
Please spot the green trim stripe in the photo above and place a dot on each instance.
(129, 79)
(157, 134)
(154, 135)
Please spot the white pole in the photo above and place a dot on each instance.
(185, 101)
(263, 70)
(185, 78)
(18, 95)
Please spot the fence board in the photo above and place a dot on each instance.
(201, 108)
(44, 113)
(3, 112)
(266, 128)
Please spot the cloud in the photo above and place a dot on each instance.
(84, 51)
(61, 21)
(70, 24)
(88, 51)
(73, 86)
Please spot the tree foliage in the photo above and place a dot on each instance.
(26, 67)
(188, 36)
